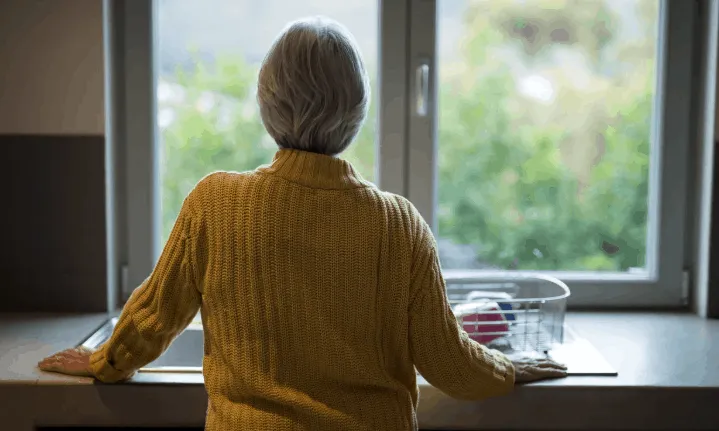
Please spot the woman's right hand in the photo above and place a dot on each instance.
(533, 369)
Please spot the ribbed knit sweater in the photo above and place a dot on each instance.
(319, 295)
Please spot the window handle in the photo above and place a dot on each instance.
(421, 82)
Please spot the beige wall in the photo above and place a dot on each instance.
(51, 67)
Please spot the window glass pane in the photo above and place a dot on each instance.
(209, 56)
(546, 112)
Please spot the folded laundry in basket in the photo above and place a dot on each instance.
(478, 295)
(482, 320)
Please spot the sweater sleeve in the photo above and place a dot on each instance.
(157, 311)
(442, 351)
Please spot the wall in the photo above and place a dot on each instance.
(51, 72)
(52, 256)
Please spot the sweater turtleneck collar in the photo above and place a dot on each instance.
(314, 170)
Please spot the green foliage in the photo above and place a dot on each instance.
(505, 188)
(505, 184)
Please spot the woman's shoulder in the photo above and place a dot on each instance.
(217, 179)
(210, 185)
(402, 203)
(398, 208)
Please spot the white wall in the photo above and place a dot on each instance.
(51, 67)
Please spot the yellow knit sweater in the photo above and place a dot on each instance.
(319, 296)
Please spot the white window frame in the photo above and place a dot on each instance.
(407, 148)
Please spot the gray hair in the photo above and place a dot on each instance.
(313, 90)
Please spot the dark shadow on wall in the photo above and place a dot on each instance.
(52, 216)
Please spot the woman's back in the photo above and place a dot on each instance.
(306, 297)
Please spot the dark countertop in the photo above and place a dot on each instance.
(668, 366)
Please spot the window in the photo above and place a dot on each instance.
(531, 134)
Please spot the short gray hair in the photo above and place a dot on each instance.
(313, 90)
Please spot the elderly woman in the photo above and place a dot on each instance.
(319, 293)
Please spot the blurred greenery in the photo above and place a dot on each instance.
(526, 183)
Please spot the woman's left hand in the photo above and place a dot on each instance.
(74, 362)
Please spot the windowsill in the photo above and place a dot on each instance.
(658, 356)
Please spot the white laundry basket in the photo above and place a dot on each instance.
(511, 311)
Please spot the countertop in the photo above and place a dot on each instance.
(668, 366)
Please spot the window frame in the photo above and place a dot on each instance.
(133, 189)
(406, 146)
